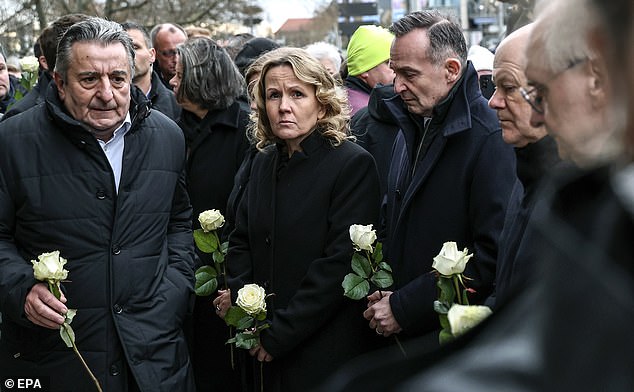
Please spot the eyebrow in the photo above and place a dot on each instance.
(93, 73)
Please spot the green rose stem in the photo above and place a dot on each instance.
(54, 288)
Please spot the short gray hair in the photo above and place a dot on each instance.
(324, 50)
(445, 34)
(97, 30)
(209, 78)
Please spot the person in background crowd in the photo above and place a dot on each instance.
(367, 64)
(328, 55)
(536, 155)
(482, 60)
(48, 41)
(6, 89)
(450, 178)
(376, 129)
(573, 81)
(195, 31)
(97, 175)
(234, 44)
(307, 174)
(165, 38)
(208, 87)
(251, 50)
(145, 78)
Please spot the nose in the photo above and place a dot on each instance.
(496, 101)
(105, 90)
(284, 103)
(537, 119)
(399, 86)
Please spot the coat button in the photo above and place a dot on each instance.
(117, 309)
(398, 194)
(116, 249)
(114, 370)
(268, 240)
(101, 194)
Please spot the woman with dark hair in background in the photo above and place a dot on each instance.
(208, 86)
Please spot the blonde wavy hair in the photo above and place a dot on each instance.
(335, 123)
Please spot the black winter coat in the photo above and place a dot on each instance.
(292, 238)
(216, 147)
(130, 254)
(459, 191)
(376, 129)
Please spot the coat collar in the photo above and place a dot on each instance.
(453, 112)
(139, 110)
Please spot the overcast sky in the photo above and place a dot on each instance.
(277, 11)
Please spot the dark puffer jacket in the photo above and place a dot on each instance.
(130, 254)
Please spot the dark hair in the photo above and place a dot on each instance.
(127, 26)
(50, 36)
(95, 30)
(251, 50)
(445, 34)
(209, 77)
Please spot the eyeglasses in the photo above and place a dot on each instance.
(168, 53)
(535, 96)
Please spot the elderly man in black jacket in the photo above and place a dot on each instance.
(451, 173)
(97, 175)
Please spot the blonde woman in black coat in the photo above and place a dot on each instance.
(308, 184)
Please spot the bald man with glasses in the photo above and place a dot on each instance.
(165, 38)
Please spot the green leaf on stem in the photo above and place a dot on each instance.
(382, 279)
(218, 257)
(246, 340)
(361, 265)
(206, 282)
(444, 322)
(377, 256)
(234, 315)
(224, 247)
(440, 307)
(445, 336)
(67, 334)
(385, 266)
(53, 287)
(206, 242)
(260, 316)
(447, 291)
(355, 287)
(245, 322)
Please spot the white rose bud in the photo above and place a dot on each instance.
(362, 236)
(211, 220)
(450, 260)
(50, 267)
(464, 317)
(29, 64)
(251, 298)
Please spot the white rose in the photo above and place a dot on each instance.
(362, 236)
(211, 220)
(251, 298)
(450, 260)
(50, 267)
(29, 64)
(464, 317)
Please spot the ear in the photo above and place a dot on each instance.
(452, 69)
(152, 55)
(43, 63)
(364, 76)
(321, 113)
(597, 81)
(59, 82)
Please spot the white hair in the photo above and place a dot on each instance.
(563, 30)
(324, 50)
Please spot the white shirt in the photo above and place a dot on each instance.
(113, 149)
